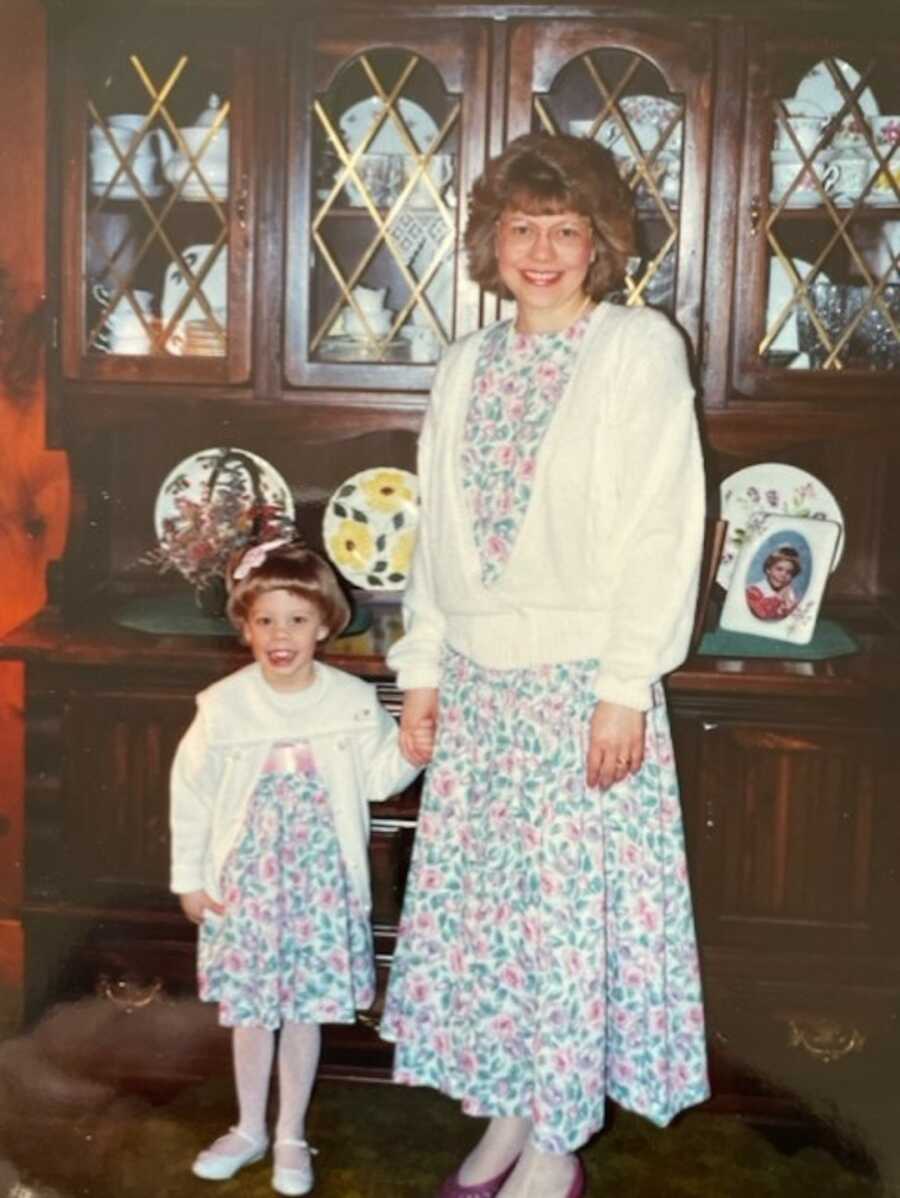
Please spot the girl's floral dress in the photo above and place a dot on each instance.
(546, 956)
(294, 944)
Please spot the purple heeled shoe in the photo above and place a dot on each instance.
(453, 1188)
(579, 1181)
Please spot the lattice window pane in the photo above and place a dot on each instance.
(156, 252)
(384, 221)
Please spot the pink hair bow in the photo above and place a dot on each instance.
(255, 556)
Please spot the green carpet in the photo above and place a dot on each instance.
(70, 1137)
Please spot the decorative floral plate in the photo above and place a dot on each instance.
(369, 527)
(209, 502)
(818, 86)
(360, 117)
(648, 117)
(771, 488)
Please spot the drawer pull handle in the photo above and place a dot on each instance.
(825, 1039)
(130, 996)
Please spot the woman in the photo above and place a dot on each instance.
(546, 954)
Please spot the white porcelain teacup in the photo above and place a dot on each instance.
(886, 132)
(807, 191)
(370, 299)
(439, 171)
(807, 134)
(209, 151)
(854, 173)
(374, 323)
(106, 167)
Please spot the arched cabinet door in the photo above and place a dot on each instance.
(642, 90)
(818, 233)
(385, 138)
(158, 201)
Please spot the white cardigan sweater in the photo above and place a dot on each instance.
(354, 743)
(606, 561)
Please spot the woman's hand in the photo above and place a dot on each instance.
(418, 724)
(616, 745)
(196, 903)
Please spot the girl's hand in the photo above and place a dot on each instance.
(616, 744)
(196, 902)
(418, 724)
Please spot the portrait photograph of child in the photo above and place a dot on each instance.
(780, 578)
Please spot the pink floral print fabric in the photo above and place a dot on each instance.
(519, 380)
(546, 955)
(294, 944)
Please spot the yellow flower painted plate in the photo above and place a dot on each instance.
(369, 527)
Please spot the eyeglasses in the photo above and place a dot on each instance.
(568, 236)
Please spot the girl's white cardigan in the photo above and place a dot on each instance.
(354, 742)
(606, 562)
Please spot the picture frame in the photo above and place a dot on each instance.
(779, 578)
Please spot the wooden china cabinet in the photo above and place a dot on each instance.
(271, 196)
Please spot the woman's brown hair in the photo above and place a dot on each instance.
(542, 173)
(297, 570)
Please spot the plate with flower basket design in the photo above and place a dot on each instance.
(369, 527)
(770, 488)
(209, 504)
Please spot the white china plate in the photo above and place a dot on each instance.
(190, 479)
(795, 106)
(175, 286)
(647, 116)
(819, 87)
(359, 118)
(369, 527)
(197, 194)
(770, 488)
(126, 191)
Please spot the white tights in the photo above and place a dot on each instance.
(253, 1049)
(536, 1175)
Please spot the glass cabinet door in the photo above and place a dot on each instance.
(384, 144)
(639, 90)
(819, 236)
(157, 221)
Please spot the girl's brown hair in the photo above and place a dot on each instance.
(542, 173)
(785, 553)
(297, 570)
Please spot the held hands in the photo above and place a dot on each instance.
(616, 745)
(196, 903)
(418, 723)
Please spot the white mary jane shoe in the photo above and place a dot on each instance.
(297, 1181)
(219, 1166)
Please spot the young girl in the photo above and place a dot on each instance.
(269, 816)
(774, 597)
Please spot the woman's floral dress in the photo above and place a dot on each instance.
(294, 944)
(546, 956)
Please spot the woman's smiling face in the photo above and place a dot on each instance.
(544, 261)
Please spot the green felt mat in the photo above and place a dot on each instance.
(178, 615)
(829, 640)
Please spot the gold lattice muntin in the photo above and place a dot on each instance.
(644, 134)
(402, 201)
(845, 176)
(135, 162)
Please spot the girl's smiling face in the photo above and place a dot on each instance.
(544, 261)
(283, 631)
(780, 574)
